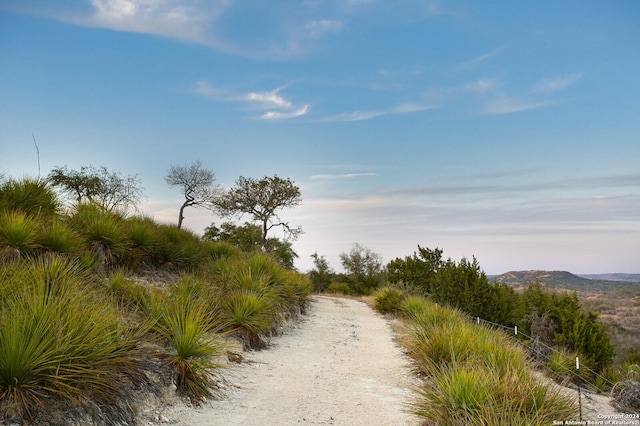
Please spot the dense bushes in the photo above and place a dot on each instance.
(63, 344)
(82, 337)
(464, 286)
(473, 375)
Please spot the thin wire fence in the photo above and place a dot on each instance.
(545, 352)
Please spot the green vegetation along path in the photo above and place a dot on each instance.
(339, 365)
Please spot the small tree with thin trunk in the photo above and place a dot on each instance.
(110, 190)
(196, 183)
(262, 199)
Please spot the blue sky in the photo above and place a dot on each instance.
(505, 130)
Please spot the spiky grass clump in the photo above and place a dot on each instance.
(259, 293)
(562, 364)
(473, 393)
(143, 242)
(475, 375)
(64, 347)
(18, 234)
(58, 237)
(129, 294)
(179, 248)
(102, 231)
(412, 306)
(30, 196)
(388, 300)
(250, 315)
(216, 250)
(189, 325)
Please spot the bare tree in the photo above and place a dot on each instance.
(262, 199)
(196, 183)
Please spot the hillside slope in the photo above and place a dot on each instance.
(560, 279)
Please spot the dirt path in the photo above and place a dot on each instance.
(338, 366)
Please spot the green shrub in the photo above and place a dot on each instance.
(102, 231)
(18, 234)
(33, 197)
(250, 315)
(340, 288)
(58, 237)
(189, 326)
(63, 346)
(179, 249)
(475, 375)
(388, 300)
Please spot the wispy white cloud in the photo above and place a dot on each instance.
(505, 105)
(368, 115)
(270, 99)
(482, 86)
(284, 115)
(552, 85)
(340, 176)
(276, 106)
(319, 28)
(186, 20)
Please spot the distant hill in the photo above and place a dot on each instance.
(562, 279)
(630, 278)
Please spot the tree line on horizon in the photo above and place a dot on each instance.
(552, 319)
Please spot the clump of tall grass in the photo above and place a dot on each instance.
(143, 242)
(102, 231)
(64, 346)
(475, 375)
(179, 248)
(58, 237)
(388, 300)
(412, 306)
(127, 292)
(18, 234)
(250, 315)
(33, 197)
(258, 294)
(189, 326)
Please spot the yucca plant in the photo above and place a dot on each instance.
(216, 250)
(143, 239)
(562, 365)
(189, 326)
(250, 315)
(296, 289)
(103, 232)
(33, 197)
(127, 292)
(179, 248)
(63, 346)
(57, 236)
(18, 234)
